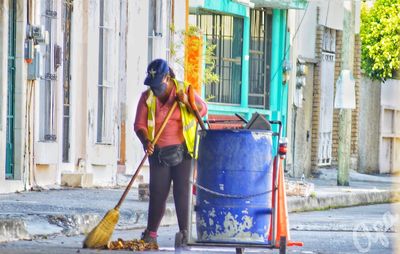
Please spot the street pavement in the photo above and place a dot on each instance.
(364, 229)
(68, 211)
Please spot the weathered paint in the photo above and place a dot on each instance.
(258, 135)
(244, 154)
(234, 229)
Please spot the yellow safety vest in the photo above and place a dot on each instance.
(188, 119)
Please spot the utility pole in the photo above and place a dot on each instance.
(345, 96)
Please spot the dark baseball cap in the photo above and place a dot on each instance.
(156, 71)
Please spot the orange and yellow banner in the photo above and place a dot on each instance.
(193, 61)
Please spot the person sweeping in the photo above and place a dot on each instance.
(170, 159)
(159, 119)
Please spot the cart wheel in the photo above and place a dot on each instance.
(239, 250)
(282, 245)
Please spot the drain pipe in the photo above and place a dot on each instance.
(294, 138)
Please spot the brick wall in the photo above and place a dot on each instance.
(355, 112)
(317, 96)
(335, 124)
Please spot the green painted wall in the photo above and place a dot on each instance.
(245, 63)
(278, 91)
(226, 6)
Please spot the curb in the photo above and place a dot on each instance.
(13, 229)
(296, 204)
(37, 226)
(34, 226)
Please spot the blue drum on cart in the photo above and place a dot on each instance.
(234, 177)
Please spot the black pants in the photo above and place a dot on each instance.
(161, 177)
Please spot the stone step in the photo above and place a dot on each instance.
(124, 179)
(299, 188)
(82, 180)
(144, 192)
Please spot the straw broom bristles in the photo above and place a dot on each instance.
(101, 234)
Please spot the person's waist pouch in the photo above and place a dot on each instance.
(171, 156)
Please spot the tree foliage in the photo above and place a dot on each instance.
(380, 38)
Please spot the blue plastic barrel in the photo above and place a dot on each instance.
(234, 177)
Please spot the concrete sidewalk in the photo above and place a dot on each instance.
(29, 215)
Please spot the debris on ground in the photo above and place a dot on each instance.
(133, 245)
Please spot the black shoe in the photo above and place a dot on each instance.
(181, 239)
(147, 238)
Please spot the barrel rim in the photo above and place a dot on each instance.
(237, 131)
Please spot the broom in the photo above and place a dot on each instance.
(101, 234)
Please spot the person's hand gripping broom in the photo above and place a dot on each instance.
(189, 100)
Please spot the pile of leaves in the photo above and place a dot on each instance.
(133, 245)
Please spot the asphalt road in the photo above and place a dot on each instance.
(364, 229)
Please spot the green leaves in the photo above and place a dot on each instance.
(380, 38)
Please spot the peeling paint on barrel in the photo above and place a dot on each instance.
(234, 210)
(258, 135)
(202, 222)
(234, 228)
(211, 213)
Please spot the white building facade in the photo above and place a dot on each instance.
(315, 57)
(71, 121)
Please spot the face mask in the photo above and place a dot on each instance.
(160, 90)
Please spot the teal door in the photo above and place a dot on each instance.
(10, 90)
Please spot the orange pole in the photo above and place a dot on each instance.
(122, 146)
(187, 15)
(186, 31)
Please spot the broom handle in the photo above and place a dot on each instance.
(192, 102)
(146, 155)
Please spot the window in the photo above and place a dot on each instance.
(160, 32)
(152, 25)
(260, 58)
(47, 126)
(155, 26)
(105, 74)
(329, 40)
(226, 32)
(170, 32)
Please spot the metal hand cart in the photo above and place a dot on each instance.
(272, 243)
